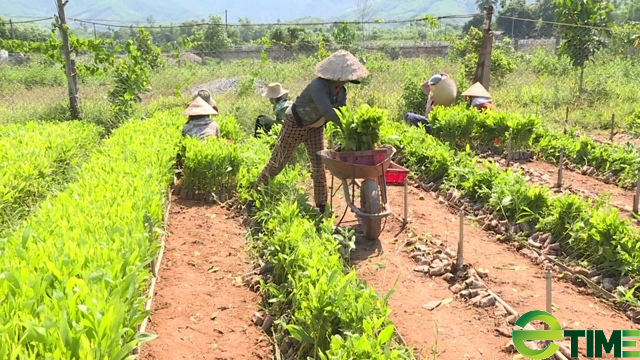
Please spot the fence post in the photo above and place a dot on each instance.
(483, 68)
(61, 20)
(13, 32)
(460, 259)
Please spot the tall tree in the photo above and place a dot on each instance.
(516, 28)
(581, 41)
(213, 38)
(4, 29)
(364, 9)
(480, 4)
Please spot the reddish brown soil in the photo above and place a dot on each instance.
(619, 198)
(618, 138)
(200, 310)
(514, 278)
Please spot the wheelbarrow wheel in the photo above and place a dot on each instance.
(370, 204)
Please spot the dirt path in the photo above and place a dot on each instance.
(584, 185)
(200, 310)
(620, 139)
(514, 278)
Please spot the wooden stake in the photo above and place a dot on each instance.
(61, 20)
(566, 121)
(406, 201)
(549, 278)
(510, 150)
(460, 260)
(560, 163)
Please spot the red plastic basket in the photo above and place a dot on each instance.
(366, 158)
(396, 174)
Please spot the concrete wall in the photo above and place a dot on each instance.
(439, 49)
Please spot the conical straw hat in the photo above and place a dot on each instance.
(341, 66)
(206, 96)
(477, 90)
(274, 91)
(199, 107)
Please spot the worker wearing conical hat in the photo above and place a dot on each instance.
(199, 123)
(477, 96)
(279, 98)
(206, 96)
(305, 119)
(442, 90)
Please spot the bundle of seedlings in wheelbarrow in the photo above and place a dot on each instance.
(361, 128)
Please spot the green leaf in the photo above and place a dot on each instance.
(299, 334)
(145, 337)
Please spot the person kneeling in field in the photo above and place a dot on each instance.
(305, 121)
(279, 98)
(442, 90)
(478, 97)
(199, 111)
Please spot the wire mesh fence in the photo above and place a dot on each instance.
(537, 67)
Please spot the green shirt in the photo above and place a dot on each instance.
(280, 109)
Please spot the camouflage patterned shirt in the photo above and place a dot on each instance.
(318, 100)
(280, 109)
(201, 128)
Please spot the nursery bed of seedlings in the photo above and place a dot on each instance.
(37, 159)
(312, 307)
(435, 308)
(84, 254)
(575, 183)
(611, 163)
(201, 308)
(566, 227)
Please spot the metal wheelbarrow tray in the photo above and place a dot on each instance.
(371, 166)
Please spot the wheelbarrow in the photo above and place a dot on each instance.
(370, 166)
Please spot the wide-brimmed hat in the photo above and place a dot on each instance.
(274, 91)
(206, 96)
(199, 107)
(477, 90)
(342, 66)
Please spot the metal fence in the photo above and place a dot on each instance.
(543, 74)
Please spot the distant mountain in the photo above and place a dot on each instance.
(166, 11)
